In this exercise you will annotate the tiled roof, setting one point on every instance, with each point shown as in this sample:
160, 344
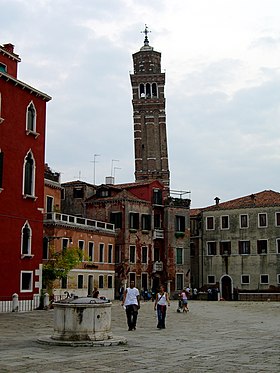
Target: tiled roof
265, 198
194, 212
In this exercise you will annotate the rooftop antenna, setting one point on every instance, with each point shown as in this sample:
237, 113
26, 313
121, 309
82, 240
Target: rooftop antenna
112, 165
94, 162
80, 175
116, 168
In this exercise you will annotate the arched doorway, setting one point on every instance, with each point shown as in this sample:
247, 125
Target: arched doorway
226, 287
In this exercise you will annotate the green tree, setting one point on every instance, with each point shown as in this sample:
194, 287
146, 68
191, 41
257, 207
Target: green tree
59, 264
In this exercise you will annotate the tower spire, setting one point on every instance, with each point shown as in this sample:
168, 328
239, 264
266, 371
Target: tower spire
146, 31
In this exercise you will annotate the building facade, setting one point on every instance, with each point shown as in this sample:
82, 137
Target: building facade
96, 239
22, 149
238, 245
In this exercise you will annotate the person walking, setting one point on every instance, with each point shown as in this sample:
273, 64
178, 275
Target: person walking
162, 300
132, 304
184, 298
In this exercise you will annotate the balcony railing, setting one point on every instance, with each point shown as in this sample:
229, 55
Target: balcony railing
57, 217
158, 234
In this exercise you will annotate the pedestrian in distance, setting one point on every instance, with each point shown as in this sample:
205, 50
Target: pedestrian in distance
132, 305
184, 298
95, 293
161, 302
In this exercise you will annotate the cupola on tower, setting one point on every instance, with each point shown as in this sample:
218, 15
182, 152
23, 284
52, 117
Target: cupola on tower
148, 101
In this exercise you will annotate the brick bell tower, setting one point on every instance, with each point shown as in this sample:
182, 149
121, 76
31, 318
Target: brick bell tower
150, 139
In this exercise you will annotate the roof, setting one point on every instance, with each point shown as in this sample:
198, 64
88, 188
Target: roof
122, 195
265, 198
23, 85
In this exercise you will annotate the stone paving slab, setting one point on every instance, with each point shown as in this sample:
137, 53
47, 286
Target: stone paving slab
213, 337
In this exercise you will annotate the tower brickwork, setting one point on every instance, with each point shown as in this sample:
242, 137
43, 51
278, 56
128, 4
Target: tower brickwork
148, 101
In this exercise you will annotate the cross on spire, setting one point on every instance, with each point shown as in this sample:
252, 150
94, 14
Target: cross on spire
146, 31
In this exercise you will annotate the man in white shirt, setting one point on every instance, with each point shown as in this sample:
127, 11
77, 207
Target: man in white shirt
132, 304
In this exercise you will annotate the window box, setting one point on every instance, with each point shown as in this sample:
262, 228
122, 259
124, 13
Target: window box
179, 234
27, 256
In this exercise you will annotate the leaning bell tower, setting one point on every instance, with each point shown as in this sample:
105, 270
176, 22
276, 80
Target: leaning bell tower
148, 101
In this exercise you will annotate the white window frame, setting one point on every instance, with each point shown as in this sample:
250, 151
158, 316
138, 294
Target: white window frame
182, 275
100, 287
180, 248
221, 224
32, 195
241, 279
112, 277
110, 246
247, 226
262, 226
264, 274
83, 282
206, 223
92, 258
142, 254
101, 244
211, 283
29, 253
278, 278
28, 130
31, 282
277, 246
82, 249
207, 248
277, 212
130, 247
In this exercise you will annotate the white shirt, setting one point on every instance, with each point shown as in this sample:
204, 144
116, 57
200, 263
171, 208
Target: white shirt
131, 296
162, 301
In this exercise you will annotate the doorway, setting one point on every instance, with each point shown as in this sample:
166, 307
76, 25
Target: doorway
226, 288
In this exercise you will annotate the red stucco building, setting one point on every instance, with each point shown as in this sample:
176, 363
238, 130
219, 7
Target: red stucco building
22, 149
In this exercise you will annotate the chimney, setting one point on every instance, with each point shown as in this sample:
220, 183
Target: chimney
109, 180
217, 200
9, 47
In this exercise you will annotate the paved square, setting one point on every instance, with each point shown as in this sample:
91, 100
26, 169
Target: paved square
212, 337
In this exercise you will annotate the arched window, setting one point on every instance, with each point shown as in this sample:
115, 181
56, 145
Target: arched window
148, 90
26, 234
29, 175
142, 91
154, 90
31, 118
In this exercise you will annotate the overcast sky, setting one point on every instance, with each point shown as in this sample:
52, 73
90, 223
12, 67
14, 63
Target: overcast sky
222, 64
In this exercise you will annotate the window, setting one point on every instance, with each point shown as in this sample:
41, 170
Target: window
209, 222
117, 254
81, 245
64, 243
144, 257
179, 223
29, 175
110, 282
277, 245
31, 118
244, 221
116, 219
192, 248
3, 68
91, 251
179, 281
101, 282
244, 247
156, 254
277, 218
80, 281
26, 281
78, 192
132, 277
211, 279
179, 255
225, 248
62, 194
101, 252
110, 253
1, 168
49, 206
132, 250
157, 221
211, 248
262, 219
157, 197
264, 279
45, 248
262, 246
225, 222
133, 220
278, 279
64, 283
26, 240
245, 279
144, 280
146, 222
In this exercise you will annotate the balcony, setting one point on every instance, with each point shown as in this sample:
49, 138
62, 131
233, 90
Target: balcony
77, 221
158, 234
